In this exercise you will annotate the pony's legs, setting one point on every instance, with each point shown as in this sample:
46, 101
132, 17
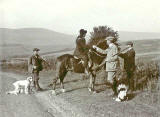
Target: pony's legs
92, 82
54, 86
54, 83
62, 87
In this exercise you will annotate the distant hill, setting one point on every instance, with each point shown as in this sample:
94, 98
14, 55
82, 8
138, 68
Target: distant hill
34, 36
145, 46
20, 42
43, 37
125, 36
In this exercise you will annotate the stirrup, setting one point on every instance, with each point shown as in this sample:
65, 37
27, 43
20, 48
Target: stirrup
76, 57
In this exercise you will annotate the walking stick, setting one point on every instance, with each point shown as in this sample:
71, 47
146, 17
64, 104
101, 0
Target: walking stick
120, 51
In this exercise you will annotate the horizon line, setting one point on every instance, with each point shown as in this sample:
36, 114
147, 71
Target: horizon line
68, 33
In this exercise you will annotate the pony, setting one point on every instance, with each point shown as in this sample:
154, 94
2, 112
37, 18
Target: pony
68, 62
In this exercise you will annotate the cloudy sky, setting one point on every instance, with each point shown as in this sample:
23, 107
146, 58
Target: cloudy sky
68, 16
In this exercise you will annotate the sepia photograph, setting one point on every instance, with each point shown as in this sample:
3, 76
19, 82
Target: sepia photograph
79, 58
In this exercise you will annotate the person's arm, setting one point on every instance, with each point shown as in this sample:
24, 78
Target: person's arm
122, 55
30, 61
100, 50
43, 60
81, 43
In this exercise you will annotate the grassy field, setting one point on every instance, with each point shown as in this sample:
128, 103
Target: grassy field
18, 50
9, 51
144, 102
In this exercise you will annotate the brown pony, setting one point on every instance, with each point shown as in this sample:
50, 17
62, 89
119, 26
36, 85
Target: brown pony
68, 62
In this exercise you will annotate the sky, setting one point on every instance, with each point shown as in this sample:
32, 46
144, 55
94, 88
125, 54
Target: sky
68, 16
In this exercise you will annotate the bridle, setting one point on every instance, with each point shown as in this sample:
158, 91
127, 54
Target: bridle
96, 53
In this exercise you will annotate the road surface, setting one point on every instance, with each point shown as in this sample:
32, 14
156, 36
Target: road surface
21, 105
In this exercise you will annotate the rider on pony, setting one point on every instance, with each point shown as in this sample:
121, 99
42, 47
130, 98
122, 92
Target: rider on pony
82, 49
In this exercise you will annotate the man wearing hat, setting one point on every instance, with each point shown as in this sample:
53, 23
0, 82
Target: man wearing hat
35, 66
129, 63
81, 48
111, 61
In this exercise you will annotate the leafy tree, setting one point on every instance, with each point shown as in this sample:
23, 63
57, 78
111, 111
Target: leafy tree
100, 33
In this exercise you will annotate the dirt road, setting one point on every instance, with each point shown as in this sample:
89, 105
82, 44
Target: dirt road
21, 105
76, 102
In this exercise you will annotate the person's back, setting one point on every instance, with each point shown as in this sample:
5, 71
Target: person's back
129, 59
81, 47
129, 64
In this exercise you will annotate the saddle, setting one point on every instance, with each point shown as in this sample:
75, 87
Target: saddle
79, 59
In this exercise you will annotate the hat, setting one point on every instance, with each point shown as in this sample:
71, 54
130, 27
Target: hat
36, 49
129, 43
110, 38
82, 31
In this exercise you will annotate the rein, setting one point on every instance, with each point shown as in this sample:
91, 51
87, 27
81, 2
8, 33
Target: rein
97, 54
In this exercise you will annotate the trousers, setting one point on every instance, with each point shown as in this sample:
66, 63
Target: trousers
130, 78
36, 79
112, 80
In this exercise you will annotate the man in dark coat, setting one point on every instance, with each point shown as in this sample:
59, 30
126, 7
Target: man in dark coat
81, 48
129, 64
35, 66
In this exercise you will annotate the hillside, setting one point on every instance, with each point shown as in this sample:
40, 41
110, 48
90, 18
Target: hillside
20, 42
43, 37
125, 36
34, 36
40, 36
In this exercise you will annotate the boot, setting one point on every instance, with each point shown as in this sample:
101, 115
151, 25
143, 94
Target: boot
114, 88
38, 87
34, 84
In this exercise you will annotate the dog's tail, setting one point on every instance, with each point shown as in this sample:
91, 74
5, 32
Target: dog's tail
11, 92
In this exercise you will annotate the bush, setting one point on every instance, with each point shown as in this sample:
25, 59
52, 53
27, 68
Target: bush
100, 33
23, 65
146, 75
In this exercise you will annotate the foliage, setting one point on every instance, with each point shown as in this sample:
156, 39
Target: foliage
100, 33
23, 65
146, 75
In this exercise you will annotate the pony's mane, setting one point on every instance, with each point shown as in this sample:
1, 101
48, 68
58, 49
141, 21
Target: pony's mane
62, 57
102, 44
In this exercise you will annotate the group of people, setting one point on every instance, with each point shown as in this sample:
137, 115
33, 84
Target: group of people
81, 51
111, 60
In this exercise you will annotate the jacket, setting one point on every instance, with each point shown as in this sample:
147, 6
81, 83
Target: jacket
81, 47
35, 61
112, 61
129, 59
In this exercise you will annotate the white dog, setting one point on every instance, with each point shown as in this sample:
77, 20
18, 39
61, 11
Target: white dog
122, 93
22, 86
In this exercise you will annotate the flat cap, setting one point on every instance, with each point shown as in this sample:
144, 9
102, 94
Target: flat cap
129, 43
36, 49
110, 38
82, 31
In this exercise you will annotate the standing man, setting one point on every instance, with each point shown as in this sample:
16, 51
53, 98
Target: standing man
111, 62
81, 48
129, 64
35, 66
